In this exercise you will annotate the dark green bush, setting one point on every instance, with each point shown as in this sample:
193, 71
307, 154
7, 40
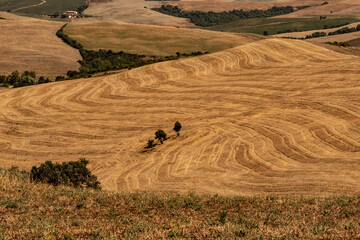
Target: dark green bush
161, 135
73, 174
206, 19
177, 127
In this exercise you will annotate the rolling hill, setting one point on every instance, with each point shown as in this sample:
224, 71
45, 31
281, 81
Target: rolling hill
153, 40
31, 44
135, 11
274, 116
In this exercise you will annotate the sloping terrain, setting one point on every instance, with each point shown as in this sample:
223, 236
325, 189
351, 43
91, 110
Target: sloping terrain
228, 5
135, 11
153, 40
40, 7
305, 33
274, 116
31, 44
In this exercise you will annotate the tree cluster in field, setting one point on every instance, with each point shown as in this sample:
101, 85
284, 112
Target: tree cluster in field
339, 44
207, 19
27, 78
74, 174
323, 34
107, 60
337, 32
297, 30
162, 136
335, 26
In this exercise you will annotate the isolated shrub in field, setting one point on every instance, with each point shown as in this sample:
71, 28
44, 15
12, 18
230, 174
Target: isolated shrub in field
161, 135
150, 143
70, 173
59, 78
177, 127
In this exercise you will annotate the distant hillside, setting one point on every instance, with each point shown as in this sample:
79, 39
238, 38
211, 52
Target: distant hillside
153, 40
31, 44
40, 7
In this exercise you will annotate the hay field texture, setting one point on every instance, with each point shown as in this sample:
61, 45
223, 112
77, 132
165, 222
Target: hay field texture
31, 44
274, 116
135, 11
153, 40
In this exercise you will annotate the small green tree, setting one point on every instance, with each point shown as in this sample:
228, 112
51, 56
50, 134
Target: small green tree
266, 33
161, 135
150, 143
177, 128
75, 174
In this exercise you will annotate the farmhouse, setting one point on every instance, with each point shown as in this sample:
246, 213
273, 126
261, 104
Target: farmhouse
70, 14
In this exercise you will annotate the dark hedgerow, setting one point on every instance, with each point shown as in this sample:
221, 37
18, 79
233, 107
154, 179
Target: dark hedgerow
73, 174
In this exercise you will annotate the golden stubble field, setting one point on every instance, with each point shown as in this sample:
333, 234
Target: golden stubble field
153, 40
274, 116
135, 11
31, 44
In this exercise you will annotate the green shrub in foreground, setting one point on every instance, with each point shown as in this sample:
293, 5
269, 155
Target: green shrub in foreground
70, 173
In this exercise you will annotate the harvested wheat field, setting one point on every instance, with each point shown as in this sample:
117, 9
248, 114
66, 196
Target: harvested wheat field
275, 116
31, 44
135, 11
153, 40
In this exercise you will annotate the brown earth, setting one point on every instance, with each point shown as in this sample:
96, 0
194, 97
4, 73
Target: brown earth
274, 116
31, 44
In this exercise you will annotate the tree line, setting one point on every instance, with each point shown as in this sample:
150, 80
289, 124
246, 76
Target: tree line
27, 78
323, 34
108, 60
207, 19
324, 27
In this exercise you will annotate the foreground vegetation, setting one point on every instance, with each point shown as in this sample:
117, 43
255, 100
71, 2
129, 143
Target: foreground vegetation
39, 211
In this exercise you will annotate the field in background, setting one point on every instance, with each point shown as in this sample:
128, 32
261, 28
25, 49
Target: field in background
274, 116
153, 40
50, 7
228, 5
274, 25
36, 211
135, 11
30, 44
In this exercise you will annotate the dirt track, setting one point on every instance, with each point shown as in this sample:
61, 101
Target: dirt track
274, 116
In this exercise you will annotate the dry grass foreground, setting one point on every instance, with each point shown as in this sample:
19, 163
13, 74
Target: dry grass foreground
36, 211
274, 116
134, 11
31, 44
153, 40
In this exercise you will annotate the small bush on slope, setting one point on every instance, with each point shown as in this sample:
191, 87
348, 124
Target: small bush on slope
70, 173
